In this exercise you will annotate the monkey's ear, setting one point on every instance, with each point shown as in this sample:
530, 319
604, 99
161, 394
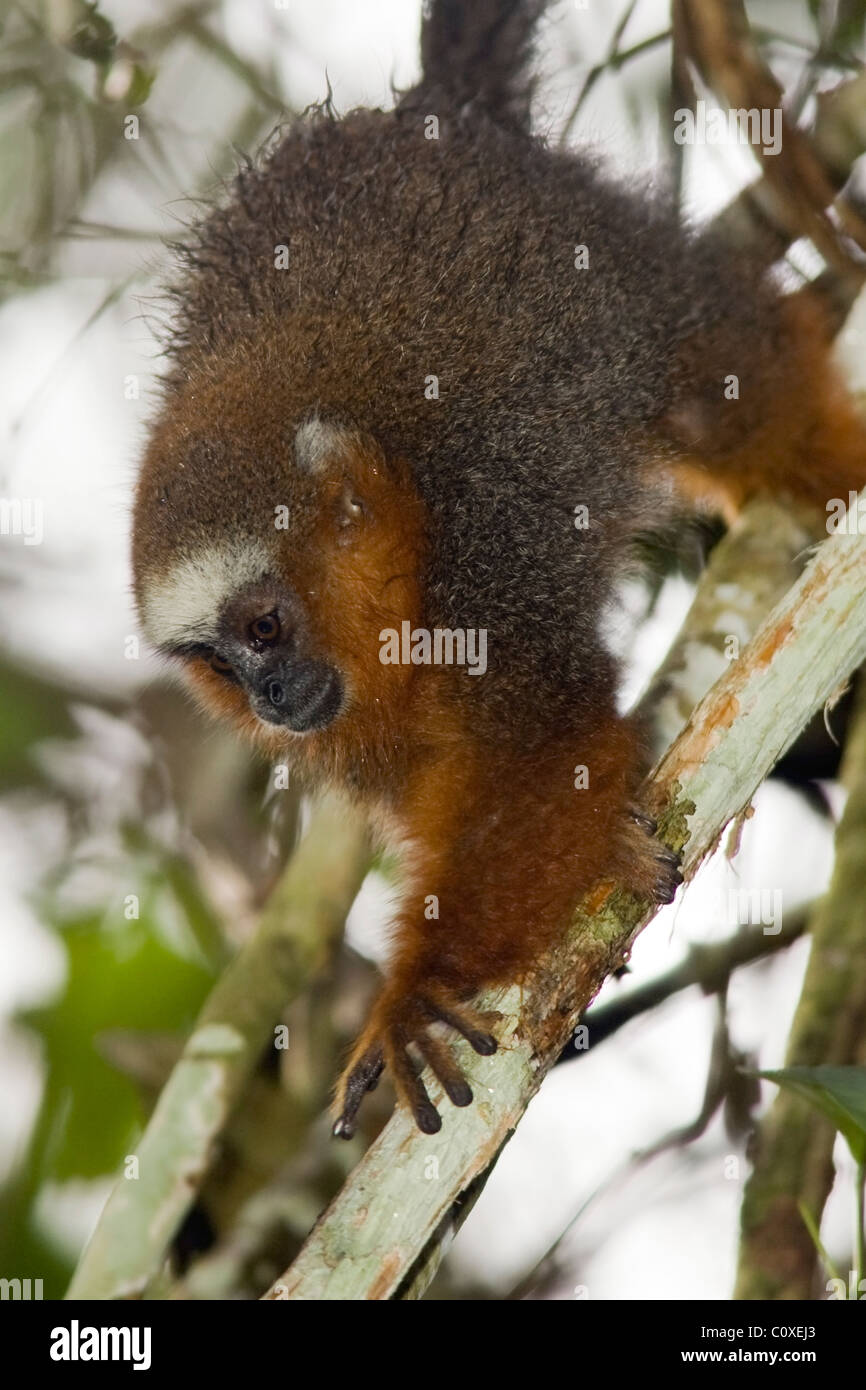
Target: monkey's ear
320, 441
352, 506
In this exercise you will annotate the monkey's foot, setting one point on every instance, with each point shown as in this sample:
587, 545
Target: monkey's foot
656, 871
668, 875
396, 1023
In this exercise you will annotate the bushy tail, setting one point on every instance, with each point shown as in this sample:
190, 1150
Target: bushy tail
479, 52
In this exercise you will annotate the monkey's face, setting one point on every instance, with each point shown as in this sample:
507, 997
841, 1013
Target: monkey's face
259, 643
268, 559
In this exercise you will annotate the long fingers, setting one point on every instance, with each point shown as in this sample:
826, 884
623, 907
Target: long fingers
361, 1077
412, 1090
470, 1025
438, 1057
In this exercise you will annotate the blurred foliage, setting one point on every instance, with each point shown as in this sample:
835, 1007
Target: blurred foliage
69, 84
121, 975
144, 948
31, 712
64, 76
841, 26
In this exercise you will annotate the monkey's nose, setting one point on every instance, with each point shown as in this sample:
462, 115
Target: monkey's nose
301, 695
275, 692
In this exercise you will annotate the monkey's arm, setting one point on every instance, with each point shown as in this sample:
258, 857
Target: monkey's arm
501, 850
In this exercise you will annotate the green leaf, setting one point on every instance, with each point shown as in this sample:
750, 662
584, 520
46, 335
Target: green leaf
840, 1092
815, 1235
123, 976
139, 88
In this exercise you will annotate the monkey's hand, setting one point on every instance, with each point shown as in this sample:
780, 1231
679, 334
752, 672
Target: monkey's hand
400, 1020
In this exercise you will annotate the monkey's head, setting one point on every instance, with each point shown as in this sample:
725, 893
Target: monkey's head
271, 546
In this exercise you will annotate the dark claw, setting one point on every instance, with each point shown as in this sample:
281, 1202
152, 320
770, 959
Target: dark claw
669, 877
427, 1117
445, 1069
459, 1092
645, 821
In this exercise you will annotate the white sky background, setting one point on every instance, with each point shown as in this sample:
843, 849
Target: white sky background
69, 436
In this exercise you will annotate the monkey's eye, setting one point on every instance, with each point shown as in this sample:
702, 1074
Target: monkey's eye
219, 663
265, 629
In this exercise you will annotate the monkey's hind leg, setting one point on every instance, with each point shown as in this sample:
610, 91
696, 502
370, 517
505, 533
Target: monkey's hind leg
794, 428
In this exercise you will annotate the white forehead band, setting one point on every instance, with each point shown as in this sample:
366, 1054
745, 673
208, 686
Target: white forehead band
184, 605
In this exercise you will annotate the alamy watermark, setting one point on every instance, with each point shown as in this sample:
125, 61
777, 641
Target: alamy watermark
77, 1343
22, 516
23, 1290
757, 907
846, 518
439, 646
716, 125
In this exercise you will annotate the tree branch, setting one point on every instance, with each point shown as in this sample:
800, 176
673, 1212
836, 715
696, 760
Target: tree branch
794, 1155
714, 35
707, 965
750, 569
